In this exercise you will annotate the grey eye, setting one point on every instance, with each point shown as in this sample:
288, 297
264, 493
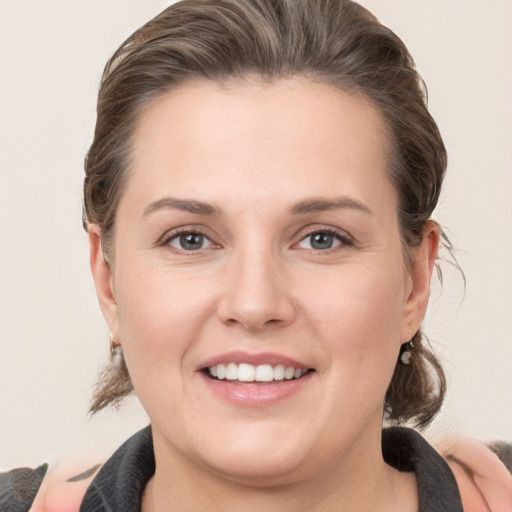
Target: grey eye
189, 241
320, 241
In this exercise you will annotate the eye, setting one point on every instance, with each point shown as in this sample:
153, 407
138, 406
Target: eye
323, 240
189, 241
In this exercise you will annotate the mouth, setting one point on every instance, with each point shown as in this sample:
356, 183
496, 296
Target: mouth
255, 379
245, 373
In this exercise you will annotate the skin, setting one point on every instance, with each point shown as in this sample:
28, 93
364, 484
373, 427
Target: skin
255, 151
484, 482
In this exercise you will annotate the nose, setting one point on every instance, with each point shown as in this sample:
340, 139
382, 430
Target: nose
256, 294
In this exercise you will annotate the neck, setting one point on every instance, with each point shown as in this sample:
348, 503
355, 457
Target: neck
355, 481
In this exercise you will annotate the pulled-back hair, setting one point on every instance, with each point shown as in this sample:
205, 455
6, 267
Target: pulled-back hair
336, 42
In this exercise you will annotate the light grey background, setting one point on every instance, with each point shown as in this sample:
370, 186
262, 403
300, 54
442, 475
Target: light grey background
52, 336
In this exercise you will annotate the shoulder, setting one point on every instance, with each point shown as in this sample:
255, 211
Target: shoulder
73, 485
44, 490
63, 491
19, 487
484, 481
476, 471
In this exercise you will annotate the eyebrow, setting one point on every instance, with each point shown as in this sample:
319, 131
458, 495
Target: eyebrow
317, 205
187, 205
313, 205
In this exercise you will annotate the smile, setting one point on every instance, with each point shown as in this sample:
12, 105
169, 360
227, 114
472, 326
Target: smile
255, 379
245, 372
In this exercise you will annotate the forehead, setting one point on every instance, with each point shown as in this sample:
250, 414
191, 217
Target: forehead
289, 136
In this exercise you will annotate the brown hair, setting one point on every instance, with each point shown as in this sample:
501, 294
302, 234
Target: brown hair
337, 42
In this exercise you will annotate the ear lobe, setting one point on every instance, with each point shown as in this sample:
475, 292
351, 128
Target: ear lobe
103, 278
422, 262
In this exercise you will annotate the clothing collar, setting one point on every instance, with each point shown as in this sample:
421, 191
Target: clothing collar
120, 483
406, 450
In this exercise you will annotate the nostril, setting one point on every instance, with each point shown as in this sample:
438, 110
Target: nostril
254, 324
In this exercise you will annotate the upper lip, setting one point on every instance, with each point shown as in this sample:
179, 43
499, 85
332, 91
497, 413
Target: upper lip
255, 359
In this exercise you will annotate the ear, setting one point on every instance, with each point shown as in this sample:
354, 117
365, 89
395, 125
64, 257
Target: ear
422, 261
103, 279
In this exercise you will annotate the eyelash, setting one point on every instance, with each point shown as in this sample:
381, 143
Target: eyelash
176, 233
342, 237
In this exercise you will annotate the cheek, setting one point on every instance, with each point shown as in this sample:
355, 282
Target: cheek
369, 295
357, 315
160, 315
160, 319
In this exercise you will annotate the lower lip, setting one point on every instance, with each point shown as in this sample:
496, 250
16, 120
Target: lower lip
256, 395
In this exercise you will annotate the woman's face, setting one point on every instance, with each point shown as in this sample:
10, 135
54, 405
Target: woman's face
257, 239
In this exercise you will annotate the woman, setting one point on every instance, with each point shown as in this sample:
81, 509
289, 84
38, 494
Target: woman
258, 198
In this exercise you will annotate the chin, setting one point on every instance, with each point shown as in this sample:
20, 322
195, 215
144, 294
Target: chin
256, 456
257, 468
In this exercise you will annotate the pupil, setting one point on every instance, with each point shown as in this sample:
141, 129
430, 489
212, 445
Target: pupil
191, 241
322, 241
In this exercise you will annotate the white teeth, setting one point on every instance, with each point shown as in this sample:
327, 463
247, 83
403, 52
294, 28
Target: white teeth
246, 372
249, 373
289, 373
264, 373
231, 371
221, 372
279, 372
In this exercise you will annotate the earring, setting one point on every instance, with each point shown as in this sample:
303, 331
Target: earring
112, 345
115, 352
406, 355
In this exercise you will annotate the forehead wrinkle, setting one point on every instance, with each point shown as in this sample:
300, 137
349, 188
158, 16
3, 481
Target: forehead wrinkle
187, 205
318, 204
